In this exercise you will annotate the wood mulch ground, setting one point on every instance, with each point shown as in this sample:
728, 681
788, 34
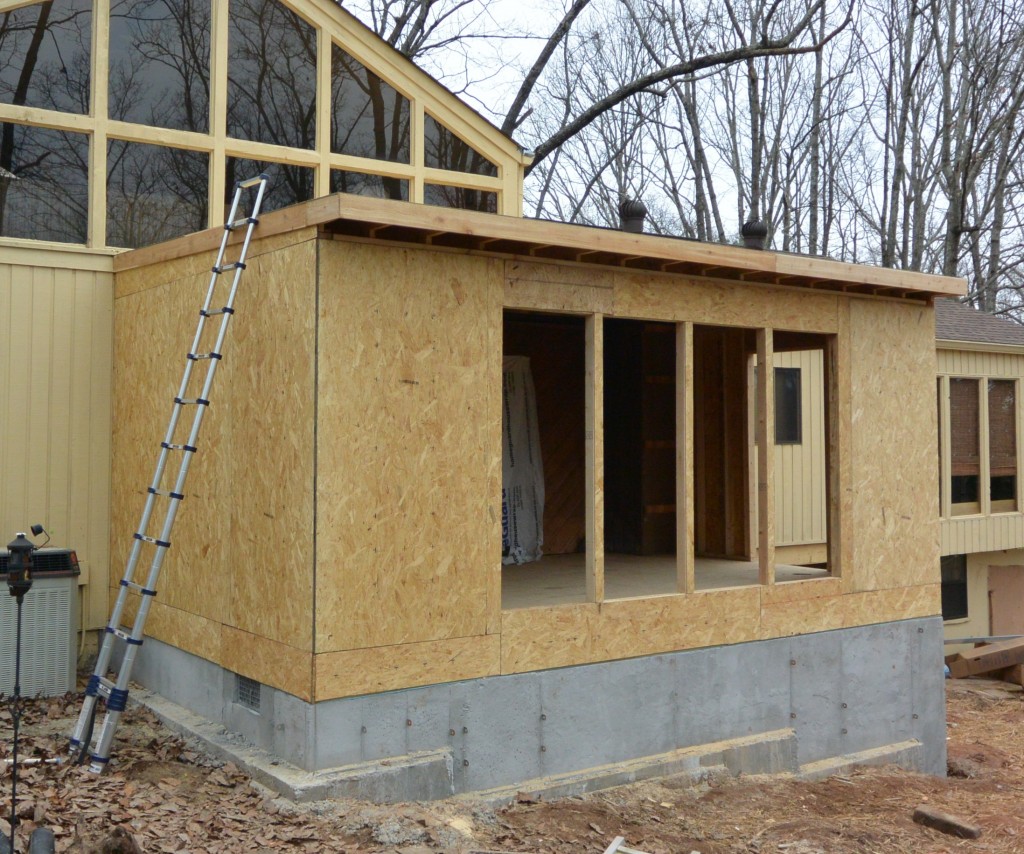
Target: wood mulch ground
170, 797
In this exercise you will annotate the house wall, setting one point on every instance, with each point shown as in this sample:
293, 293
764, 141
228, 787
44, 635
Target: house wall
409, 436
56, 313
237, 584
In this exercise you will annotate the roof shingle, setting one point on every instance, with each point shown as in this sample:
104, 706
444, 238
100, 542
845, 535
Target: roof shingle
955, 321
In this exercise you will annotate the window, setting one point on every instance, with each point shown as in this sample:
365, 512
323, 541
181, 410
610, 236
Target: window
788, 410
1002, 444
954, 587
965, 452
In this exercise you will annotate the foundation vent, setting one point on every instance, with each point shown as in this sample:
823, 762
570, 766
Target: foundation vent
247, 692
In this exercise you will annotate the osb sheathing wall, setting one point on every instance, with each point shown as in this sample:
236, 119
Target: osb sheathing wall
403, 420
237, 584
56, 315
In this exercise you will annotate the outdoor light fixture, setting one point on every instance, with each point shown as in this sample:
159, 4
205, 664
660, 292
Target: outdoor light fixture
19, 582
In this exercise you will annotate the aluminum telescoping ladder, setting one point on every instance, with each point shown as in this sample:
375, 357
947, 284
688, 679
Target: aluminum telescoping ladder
115, 691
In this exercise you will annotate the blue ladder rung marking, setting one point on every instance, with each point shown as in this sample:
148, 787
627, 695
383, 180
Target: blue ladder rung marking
118, 700
166, 493
195, 357
170, 447
152, 540
101, 759
192, 401
138, 588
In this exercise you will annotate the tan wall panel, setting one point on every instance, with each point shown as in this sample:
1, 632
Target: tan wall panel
242, 544
722, 303
135, 279
980, 364
409, 451
549, 287
824, 613
811, 588
895, 510
276, 664
389, 668
55, 409
540, 638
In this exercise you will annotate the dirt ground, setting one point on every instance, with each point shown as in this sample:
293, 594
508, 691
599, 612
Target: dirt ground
172, 798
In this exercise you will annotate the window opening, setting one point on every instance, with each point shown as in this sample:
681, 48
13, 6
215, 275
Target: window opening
247, 692
954, 587
56, 67
154, 193
287, 185
369, 118
48, 197
444, 150
548, 351
271, 75
374, 186
160, 63
788, 407
1002, 431
444, 196
965, 455
639, 458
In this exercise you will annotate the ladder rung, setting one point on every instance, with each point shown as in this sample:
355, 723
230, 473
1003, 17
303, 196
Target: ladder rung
138, 588
99, 686
190, 448
124, 635
213, 312
252, 182
245, 220
192, 401
231, 265
166, 493
195, 357
152, 540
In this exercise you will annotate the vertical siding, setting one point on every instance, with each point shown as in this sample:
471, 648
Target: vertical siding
55, 392
800, 469
1002, 531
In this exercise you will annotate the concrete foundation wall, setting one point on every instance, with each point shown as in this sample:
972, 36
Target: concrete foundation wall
838, 694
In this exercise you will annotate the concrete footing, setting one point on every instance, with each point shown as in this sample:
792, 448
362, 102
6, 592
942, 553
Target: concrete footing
808, 705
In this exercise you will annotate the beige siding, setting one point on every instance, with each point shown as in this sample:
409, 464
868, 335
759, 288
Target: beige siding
55, 389
999, 531
800, 469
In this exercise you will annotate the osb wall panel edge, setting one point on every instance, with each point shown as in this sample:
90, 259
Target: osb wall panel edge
784, 619
894, 521
136, 279
390, 668
721, 302
408, 445
275, 664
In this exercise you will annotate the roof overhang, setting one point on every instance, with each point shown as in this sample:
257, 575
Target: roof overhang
353, 216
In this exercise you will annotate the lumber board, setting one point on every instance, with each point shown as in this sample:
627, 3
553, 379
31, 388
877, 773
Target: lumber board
987, 658
945, 823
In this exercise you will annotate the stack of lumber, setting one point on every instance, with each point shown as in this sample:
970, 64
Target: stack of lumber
1003, 660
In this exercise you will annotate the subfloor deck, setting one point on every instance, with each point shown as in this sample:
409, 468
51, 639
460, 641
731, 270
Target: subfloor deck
561, 579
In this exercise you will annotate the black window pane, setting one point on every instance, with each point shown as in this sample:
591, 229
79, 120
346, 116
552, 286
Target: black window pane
153, 193
160, 63
964, 489
954, 587
271, 75
44, 55
444, 150
44, 192
459, 197
376, 186
287, 184
369, 118
787, 407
